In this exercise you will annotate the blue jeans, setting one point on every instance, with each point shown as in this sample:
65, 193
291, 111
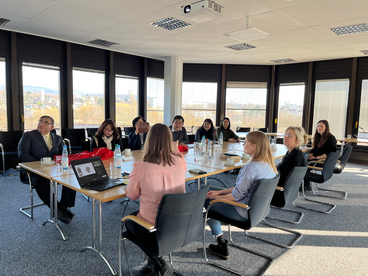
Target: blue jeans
225, 210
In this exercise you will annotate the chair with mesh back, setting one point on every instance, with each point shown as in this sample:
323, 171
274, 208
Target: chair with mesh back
339, 167
25, 178
320, 175
263, 129
258, 208
91, 131
179, 222
9, 148
75, 139
242, 129
128, 130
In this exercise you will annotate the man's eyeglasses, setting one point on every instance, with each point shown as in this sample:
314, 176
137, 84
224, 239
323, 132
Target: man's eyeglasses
44, 122
288, 136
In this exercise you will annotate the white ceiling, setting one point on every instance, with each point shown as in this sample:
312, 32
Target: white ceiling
299, 29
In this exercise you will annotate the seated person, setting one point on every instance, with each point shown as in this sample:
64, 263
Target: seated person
207, 130
261, 166
179, 132
294, 157
227, 133
165, 167
136, 139
107, 136
323, 144
39, 143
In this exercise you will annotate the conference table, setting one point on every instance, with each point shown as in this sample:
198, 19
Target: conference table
194, 159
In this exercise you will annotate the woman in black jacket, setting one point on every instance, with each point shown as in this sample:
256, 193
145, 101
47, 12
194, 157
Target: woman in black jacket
227, 133
207, 130
107, 136
323, 141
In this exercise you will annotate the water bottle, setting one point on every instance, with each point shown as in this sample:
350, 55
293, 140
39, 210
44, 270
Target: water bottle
221, 139
65, 159
203, 144
117, 157
209, 149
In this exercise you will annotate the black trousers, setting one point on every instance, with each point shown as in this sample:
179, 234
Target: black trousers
42, 186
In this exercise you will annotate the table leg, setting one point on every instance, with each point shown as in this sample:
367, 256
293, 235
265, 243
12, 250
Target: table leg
199, 184
94, 248
54, 209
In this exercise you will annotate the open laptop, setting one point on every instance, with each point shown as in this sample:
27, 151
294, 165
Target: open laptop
92, 175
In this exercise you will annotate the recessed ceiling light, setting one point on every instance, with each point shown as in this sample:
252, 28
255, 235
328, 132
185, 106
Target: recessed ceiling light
3, 21
170, 24
239, 47
353, 29
101, 42
364, 52
283, 60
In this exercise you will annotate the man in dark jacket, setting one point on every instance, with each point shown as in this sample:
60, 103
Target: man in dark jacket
39, 143
179, 132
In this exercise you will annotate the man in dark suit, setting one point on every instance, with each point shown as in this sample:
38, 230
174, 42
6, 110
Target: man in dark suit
39, 143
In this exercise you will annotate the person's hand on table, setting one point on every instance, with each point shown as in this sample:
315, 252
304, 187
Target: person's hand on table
183, 144
311, 157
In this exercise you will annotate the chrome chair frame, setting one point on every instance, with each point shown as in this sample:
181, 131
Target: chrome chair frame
31, 194
3, 156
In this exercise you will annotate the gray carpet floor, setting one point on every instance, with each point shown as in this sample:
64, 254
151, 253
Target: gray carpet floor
333, 244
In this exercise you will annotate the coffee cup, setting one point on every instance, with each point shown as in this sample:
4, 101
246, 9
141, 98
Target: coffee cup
230, 161
245, 156
46, 160
127, 151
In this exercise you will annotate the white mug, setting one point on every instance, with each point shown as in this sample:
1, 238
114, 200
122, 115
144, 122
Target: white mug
127, 151
46, 160
244, 155
230, 161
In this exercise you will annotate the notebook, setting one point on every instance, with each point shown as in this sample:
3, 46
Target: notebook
91, 174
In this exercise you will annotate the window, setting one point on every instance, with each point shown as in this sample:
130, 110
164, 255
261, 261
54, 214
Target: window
3, 115
291, 100
155, 101
363, 115
126, 99
330, 103
246, 104
199, 102
41, 94
88, 97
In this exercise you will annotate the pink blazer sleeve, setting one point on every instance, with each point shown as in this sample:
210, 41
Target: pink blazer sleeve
133, 190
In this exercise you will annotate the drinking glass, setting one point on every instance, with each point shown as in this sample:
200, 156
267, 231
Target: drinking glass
58, 160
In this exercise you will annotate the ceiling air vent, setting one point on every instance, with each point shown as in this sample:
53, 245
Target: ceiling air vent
353, 29
3, 21
364, 52
284, 60
101, 42
240, 47
170, 24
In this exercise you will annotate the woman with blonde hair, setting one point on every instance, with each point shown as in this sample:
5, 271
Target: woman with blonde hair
261, 166
294, 137
161, 171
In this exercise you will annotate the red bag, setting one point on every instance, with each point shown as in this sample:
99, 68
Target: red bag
182, 148
104, 153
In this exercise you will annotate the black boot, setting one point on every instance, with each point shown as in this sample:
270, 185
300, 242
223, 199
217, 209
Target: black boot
164, 268
149, 269
220, 249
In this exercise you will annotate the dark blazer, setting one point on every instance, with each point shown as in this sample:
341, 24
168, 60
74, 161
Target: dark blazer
208, 134
101, 143
32, 146
180, 135
135, 140
289, 161
328, 147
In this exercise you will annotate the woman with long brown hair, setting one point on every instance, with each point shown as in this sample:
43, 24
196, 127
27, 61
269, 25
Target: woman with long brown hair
261, 166
161, 171
323, 141
107, 136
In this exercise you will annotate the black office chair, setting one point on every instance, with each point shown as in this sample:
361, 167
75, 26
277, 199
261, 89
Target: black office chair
120, 131
9, 141
339, 167
91, 131
282, 197
179, 222
242, 129
287, 194
258, 208
128, 130
75, 139
326, 172
25, 178
263, 129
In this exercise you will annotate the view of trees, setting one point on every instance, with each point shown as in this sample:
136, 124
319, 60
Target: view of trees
3, 117
363, 123
126, 110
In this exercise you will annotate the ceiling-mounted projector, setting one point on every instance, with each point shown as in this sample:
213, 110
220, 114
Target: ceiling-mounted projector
202, 11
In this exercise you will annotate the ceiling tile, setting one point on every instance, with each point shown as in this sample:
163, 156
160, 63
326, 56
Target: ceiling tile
25, 8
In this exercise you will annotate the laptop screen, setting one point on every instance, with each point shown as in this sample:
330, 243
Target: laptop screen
89, 169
